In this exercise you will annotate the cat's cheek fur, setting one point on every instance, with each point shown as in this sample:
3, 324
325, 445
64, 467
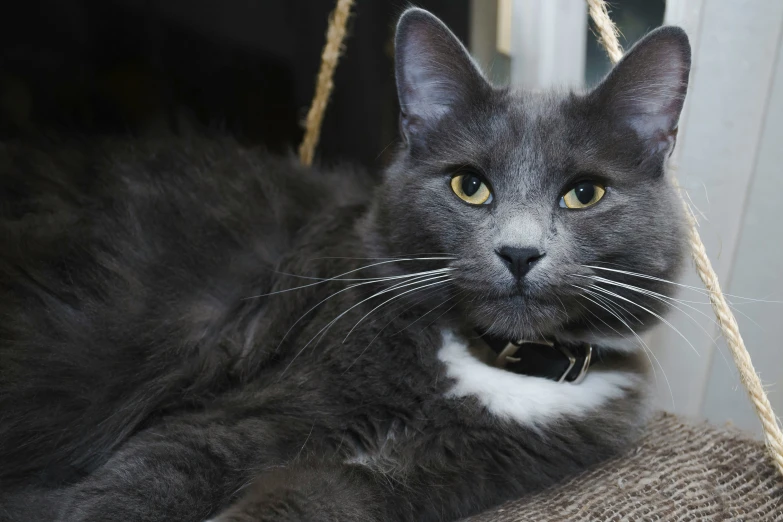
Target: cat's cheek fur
532, 402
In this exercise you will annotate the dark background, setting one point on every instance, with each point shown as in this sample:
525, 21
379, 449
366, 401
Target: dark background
246, 67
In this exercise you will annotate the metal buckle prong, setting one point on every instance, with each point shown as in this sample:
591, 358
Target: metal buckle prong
510, 349
583, 371
571, 361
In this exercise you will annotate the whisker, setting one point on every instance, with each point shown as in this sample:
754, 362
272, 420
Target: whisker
645, 348
686, 303
429, 312
663, 320
340, 275
492, 325
746, 316
613, 304
414, 277
590, 324
427, 294
333, 321
423, 298
734, 306
695, 288
562, 305
641, 341
670, 302
390, 300
385, 278
449, 309
666, 300
417, 279
660, 297
598, 304
401, 256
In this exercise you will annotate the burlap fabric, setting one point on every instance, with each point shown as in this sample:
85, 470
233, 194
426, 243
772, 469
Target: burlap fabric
679, 472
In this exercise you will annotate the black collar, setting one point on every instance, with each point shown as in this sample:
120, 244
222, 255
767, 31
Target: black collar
553, 361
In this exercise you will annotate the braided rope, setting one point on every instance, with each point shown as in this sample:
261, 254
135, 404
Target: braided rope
335, 35
608, 33
773, 436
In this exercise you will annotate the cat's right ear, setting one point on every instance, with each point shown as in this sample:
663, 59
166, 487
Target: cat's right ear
434, 72
645, 92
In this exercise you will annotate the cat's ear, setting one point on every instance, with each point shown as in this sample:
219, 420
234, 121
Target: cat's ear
434, 71
645, 91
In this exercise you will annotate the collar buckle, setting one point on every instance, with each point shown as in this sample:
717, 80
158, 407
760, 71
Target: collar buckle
577, 362
572, 361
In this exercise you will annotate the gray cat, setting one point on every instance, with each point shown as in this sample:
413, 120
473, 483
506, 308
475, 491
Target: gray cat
192, 331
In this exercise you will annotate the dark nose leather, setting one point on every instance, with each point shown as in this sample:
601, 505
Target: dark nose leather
519, 260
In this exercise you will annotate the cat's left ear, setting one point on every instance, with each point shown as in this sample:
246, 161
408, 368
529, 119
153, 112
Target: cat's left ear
434, 71
646, 90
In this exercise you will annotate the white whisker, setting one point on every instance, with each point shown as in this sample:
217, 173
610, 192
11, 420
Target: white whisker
413, 277
345, 273
661, 297
645, 348
449, 309
613, 304
734, 306
562, 305
667, 300
695, 288
390, 300
427, 294
647, 351
429, 312
663, 320
442, 255
333, 321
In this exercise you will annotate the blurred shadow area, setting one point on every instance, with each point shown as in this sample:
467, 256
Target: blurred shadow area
245, 67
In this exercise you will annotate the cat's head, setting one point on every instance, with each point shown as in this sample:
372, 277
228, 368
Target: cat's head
543, 199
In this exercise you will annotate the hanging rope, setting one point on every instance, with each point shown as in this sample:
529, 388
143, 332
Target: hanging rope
608, 33
608, 37
323, 88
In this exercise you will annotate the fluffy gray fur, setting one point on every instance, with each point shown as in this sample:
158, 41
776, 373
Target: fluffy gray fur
138, 382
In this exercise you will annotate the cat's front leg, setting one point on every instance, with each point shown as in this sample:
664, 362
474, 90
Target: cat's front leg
178, 472
444, 477
314, 492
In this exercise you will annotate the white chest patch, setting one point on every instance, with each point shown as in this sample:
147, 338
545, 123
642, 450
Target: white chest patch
527, 400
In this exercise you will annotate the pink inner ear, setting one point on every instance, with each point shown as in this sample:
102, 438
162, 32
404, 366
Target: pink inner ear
658, 131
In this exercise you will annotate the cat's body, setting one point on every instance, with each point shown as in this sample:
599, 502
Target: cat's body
156, 362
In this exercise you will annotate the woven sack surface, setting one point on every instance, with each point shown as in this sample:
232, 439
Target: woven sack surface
679, 471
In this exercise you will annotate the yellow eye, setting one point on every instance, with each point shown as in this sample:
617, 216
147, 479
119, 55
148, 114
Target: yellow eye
470, 188
584, 194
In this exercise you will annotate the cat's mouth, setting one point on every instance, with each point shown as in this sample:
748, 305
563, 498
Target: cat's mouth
547, 359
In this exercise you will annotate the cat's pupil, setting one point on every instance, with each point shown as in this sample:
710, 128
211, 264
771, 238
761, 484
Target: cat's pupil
470, 184
585, 192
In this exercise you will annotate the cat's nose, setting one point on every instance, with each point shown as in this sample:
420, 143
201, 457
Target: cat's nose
519, 260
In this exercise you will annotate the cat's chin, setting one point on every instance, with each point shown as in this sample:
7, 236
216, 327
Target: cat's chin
558, 333
516, 317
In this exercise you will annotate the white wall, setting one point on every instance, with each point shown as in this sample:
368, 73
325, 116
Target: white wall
729, 159
548, 43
